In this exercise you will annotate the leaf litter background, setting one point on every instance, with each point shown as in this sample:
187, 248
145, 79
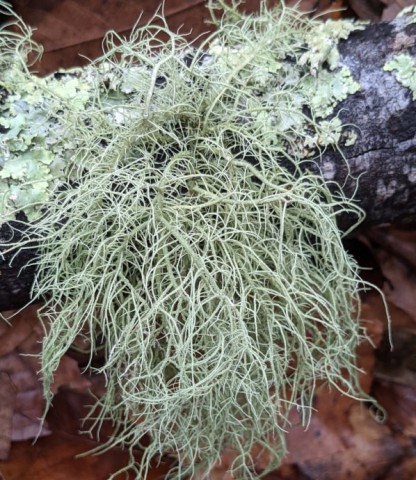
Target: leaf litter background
344, 439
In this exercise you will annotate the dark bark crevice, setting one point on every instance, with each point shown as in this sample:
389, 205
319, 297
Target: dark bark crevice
16, 273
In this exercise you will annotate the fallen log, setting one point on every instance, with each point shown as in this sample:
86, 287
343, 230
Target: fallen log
376, 165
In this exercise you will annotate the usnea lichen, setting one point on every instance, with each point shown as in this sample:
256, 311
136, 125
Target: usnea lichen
185, 233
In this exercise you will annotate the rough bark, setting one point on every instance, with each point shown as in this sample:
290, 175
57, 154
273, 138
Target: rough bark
383, 115
16, 278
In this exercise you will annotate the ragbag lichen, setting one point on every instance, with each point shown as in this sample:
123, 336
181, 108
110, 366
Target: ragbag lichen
189, 236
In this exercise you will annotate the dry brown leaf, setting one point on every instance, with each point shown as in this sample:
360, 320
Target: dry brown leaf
398, 317
20, 346
72, 29
395, 251
68, 375
7, 398
399, 401
394, 7
400, 286
367, 9
22, 327
28, 404
375, 325
405, 470
57, 457
400, 242
398, 364
376, 10
286, 472
343, 441
325, 9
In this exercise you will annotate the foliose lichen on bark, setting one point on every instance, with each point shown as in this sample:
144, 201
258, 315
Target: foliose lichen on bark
37, 152
404, 68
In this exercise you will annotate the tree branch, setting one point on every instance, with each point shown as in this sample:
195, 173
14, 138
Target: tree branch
383, 158
384, 117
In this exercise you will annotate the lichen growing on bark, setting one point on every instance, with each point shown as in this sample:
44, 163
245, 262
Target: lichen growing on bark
38, 152
404, 68
186, 234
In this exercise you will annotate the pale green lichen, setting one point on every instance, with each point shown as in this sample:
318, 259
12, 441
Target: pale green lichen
214, 276
35, 151
350, 138
404, 68
409, 14
322, 43
328, 89
31, 114
34, 148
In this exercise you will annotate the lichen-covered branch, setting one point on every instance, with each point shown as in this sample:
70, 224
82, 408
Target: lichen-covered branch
382, 115
379, 144
188, 206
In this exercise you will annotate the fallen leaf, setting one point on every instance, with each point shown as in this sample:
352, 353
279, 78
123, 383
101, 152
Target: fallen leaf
343, 441
18, 327
367, 9
63, 455
393, 8
399, 242
398, 364
405, 470
23, 409
395, 251
7, 398
27, 406
399, 402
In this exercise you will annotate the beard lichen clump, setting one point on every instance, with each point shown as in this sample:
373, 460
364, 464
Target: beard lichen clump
192, 240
